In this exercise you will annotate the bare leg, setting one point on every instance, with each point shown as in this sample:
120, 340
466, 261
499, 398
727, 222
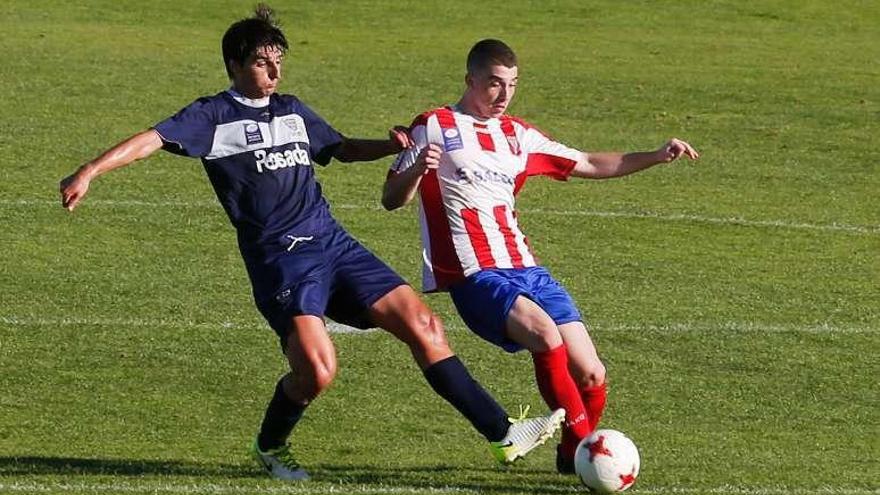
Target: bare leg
583, 360
586, 369
531, 327
402, 313
312, 359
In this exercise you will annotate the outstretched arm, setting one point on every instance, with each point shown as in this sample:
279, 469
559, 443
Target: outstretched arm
400, 188
609, 164
367, 150
75, 186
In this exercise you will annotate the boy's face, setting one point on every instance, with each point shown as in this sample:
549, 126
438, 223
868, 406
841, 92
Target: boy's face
258, 77
492, 90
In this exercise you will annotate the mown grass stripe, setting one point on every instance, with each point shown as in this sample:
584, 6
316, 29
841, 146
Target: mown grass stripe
730, 326
158, 323
220, 489
663, 217
217, 489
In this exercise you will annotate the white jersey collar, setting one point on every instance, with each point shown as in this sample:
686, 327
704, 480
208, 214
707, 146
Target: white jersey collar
244, 100
457, 109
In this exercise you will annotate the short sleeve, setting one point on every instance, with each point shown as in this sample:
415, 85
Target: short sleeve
418, 131
323, 139
189, 132
546, 156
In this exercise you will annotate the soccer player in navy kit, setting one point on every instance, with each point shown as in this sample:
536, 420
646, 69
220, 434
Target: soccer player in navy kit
258, 148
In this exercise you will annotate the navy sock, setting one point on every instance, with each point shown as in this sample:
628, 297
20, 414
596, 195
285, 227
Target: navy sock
281, 416
452, 381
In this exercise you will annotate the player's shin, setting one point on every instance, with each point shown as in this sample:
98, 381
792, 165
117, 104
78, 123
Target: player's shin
281, 416
559, 391
594, 400
452, 381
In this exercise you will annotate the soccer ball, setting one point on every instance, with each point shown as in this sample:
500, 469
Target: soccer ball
607, 461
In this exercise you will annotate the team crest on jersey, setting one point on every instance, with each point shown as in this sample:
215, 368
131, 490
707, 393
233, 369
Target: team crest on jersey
292, 124
452, 139
252, 134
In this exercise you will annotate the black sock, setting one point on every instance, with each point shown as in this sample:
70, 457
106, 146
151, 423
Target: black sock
281, 416
452, 381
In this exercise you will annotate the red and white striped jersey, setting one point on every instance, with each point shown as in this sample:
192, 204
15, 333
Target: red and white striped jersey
467, 215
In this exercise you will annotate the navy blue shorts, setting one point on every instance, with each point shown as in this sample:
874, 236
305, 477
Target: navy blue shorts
484, 300
330, 275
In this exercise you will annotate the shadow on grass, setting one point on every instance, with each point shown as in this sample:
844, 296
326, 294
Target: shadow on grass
35, 465
455, 477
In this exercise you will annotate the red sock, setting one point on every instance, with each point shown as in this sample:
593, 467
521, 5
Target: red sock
594, 402
559, 390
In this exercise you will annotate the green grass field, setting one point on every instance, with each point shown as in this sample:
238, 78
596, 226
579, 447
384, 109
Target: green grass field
735, 301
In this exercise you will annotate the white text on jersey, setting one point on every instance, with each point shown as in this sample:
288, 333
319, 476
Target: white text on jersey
276, 160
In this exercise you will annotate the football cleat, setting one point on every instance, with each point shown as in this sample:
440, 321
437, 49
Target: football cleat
279, 463
524, 434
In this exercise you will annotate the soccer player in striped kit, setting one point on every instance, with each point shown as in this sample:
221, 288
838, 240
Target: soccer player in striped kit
259, 149
468, 163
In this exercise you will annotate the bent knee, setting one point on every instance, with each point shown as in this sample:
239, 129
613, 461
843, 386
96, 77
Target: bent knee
324, 375
547, 337
427, 332
592, 376
314, 377
537, 338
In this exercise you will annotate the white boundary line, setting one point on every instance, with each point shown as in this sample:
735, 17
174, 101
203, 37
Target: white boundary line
332, 326
726, 327
737, 327
859, 229
223, 489
735, 221
744, 490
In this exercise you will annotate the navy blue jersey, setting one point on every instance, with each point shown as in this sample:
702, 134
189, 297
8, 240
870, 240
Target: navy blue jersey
258, 155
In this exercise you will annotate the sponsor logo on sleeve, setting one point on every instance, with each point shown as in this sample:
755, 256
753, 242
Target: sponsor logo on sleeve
452, 139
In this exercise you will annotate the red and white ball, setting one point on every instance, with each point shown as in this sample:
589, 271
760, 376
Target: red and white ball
607, 461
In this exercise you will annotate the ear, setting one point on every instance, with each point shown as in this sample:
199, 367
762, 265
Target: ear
468, 80
234, 67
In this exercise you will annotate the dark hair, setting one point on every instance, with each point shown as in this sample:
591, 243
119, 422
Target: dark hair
246, 36
487, 53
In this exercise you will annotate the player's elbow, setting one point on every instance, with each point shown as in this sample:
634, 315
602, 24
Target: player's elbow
345, 152
391, 199
587, 169
594, 172
389, 203
344, 157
